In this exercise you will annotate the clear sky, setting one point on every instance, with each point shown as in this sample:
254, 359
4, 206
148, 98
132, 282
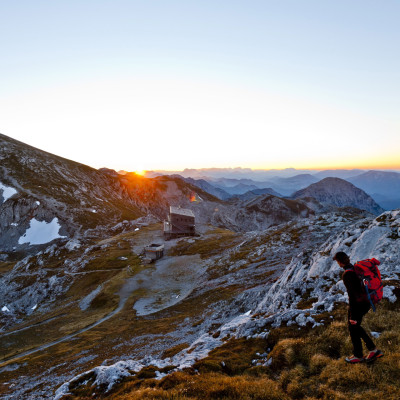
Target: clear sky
172, 84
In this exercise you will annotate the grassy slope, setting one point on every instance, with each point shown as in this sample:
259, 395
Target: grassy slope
306, 364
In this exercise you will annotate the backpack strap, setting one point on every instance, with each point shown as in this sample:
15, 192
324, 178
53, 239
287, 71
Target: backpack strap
369, 296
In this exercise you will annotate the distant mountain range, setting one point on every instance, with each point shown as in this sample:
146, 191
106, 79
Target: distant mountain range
42, 189
382, 186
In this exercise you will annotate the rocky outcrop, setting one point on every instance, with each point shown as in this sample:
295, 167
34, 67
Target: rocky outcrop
315, 276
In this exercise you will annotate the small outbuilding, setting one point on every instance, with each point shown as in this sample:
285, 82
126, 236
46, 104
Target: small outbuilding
181, 222
154, 251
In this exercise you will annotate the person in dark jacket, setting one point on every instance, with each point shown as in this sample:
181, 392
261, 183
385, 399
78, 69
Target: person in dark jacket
358, 307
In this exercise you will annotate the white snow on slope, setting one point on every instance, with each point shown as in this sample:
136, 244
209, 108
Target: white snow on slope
7, 191
40, 232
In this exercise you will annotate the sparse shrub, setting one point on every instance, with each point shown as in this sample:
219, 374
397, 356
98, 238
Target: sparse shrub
175, 350
318, 362
339, 375
331, 341
381, 218
147, 373
289, 353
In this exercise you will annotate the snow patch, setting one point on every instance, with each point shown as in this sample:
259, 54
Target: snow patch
7, 191
40, 232
5, 309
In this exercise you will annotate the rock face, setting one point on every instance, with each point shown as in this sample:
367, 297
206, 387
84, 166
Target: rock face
340, 193
315, 271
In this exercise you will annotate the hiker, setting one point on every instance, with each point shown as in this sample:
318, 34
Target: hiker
359, 305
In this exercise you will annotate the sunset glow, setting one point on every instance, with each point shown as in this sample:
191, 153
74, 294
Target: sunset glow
140, 172
303, 85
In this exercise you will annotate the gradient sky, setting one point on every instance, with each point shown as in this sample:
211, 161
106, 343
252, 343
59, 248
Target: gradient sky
172, 84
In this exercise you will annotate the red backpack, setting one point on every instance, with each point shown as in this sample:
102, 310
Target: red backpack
370, 276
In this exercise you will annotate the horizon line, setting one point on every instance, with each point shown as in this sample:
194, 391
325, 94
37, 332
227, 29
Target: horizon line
367, 169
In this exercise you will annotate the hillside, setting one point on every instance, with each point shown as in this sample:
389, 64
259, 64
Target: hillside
289, 345
340, 193
80, 201
99, 304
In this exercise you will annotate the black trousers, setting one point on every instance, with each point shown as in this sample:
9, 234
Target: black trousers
357, 332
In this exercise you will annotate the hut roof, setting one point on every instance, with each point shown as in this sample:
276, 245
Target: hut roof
181, 211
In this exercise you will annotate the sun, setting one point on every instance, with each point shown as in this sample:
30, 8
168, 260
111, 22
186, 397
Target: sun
141, 172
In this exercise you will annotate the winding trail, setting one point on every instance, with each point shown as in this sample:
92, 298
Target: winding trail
172, 279
13, 358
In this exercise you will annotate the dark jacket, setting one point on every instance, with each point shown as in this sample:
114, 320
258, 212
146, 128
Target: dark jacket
358, 301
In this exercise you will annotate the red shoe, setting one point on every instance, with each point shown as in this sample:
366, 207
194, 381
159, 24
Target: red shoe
373, 355
354, 360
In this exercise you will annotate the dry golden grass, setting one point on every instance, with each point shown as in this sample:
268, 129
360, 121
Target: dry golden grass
306, 364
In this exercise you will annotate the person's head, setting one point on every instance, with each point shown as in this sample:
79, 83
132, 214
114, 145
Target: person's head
342, 258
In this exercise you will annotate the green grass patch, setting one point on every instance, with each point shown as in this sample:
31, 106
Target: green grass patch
206, 247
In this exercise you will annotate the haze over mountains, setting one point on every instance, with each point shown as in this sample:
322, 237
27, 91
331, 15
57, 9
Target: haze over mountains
76, 295
382, 186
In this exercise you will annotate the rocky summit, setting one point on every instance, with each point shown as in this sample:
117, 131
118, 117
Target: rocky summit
340, 193
243, 305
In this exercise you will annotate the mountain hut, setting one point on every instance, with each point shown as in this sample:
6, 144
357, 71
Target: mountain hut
181, 222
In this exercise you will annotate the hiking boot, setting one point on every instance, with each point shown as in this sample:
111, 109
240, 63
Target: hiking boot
373, 355
354, 360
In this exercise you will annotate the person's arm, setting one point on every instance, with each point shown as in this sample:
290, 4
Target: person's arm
352, 283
